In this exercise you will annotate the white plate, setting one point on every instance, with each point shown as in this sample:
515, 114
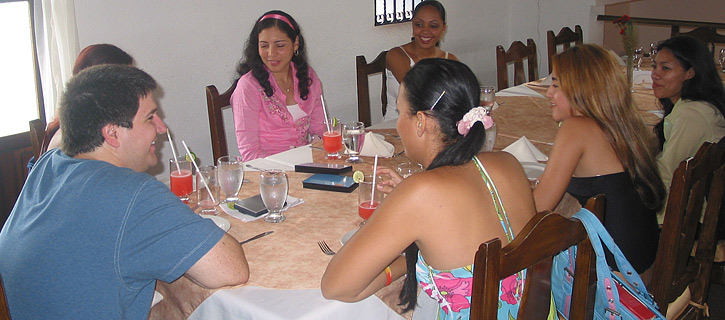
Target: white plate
346, 237
222, 223
533, 169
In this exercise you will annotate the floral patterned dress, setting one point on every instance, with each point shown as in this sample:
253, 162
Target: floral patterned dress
453, 288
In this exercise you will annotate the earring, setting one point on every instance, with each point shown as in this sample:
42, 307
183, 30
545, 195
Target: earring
419, 124
296, 52
412, 38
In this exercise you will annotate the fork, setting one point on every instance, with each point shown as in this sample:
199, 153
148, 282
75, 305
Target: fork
325, 248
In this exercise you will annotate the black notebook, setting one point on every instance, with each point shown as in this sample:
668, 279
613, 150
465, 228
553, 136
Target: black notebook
329, 168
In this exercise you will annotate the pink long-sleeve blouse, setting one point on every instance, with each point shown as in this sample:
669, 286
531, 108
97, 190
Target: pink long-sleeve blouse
264, 126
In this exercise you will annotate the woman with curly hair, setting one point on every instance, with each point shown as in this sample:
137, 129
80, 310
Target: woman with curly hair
277, 101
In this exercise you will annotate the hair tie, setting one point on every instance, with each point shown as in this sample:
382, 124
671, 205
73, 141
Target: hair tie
471, 117
278, 17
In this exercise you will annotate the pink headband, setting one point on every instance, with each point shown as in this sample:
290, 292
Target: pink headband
278, 17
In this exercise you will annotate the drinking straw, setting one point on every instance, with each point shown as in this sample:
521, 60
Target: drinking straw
375, 170
327, 120
197, 170
173, 151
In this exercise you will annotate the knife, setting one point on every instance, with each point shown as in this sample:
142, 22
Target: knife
256, 237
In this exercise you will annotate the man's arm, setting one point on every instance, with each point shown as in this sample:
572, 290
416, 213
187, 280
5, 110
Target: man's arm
224, 265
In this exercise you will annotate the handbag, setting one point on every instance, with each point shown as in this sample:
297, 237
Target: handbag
614, 298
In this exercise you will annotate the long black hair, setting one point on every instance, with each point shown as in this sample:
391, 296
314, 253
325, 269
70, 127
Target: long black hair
253, 62
705, 85
424, 84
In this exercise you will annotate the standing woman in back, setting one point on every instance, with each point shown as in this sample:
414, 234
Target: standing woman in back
277, 102
603, 147
429, 27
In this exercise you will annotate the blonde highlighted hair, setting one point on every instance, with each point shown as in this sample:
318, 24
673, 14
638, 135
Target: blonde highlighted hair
597, 88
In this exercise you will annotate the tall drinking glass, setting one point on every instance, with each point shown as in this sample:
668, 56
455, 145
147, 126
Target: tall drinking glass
181, 182
273, 187
368, 198
488, 97
230, 170
352, 136
207, 193
332, 139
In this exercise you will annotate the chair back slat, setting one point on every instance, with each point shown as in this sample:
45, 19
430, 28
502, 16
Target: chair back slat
363, 70
696, 182
215, 103
516, 54
565, 37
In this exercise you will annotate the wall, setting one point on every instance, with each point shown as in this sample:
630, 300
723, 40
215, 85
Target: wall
187, 45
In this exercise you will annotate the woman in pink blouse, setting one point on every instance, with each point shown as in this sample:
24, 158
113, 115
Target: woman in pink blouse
277, 102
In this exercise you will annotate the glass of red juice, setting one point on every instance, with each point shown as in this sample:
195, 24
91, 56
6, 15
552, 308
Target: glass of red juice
180, 178
368, 198
332, 139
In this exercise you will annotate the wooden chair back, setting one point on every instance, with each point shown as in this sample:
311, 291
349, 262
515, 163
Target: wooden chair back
363, 70
696, 179
533, 249
215, 103
4, 309
516, 54
565, 37
37, 132
706, 35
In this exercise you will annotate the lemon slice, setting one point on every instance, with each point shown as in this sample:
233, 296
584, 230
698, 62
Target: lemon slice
358, 176
230, 205
190, 159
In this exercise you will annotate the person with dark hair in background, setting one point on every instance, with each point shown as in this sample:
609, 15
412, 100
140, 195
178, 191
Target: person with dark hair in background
93, 55
462, 199
429, 27
91, 232
277, 103
686, 81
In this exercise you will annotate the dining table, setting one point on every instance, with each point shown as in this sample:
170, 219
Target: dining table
287, 265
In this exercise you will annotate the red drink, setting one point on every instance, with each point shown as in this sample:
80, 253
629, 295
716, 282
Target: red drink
366, 209
332, 143
181, 183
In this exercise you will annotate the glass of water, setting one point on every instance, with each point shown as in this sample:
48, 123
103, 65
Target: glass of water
230, 170
273, 187
488, 97
352, 136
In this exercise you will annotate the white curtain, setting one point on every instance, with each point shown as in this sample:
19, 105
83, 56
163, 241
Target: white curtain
57, 46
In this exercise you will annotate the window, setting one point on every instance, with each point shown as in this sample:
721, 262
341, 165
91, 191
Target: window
18, 80
394, 11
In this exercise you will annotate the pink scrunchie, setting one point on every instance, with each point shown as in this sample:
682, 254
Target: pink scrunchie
471, 117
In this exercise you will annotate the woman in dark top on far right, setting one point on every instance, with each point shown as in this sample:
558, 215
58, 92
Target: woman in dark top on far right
602, 147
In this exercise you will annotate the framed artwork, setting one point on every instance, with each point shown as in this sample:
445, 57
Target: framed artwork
394, 11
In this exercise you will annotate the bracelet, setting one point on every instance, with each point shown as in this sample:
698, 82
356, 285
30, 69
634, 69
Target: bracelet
388, 276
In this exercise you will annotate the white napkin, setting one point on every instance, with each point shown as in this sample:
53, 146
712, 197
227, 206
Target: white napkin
617, 57
375, 144
518, 91
546, 82
641, 77
291, 202
525, 151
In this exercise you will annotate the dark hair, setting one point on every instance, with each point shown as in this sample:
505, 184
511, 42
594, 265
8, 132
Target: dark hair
97, 96
705, 85
431, 3
253, 62
424, 84
104, 53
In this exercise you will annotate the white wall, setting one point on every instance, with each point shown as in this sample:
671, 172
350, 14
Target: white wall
186, 45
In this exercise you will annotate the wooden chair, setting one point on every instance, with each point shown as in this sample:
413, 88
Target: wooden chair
706, 35
37, 133
516, 53
4, 309
363, 70
215, 103
534, 248
565, 37
675, 269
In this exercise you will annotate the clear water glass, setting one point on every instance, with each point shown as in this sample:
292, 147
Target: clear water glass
407, 169
273, 187
721, 59
488, 97
207, 190
230, 170
352, 136
490, 139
